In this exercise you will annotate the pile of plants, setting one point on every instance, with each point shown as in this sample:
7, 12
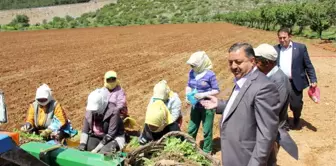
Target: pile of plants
175, 148
27, 137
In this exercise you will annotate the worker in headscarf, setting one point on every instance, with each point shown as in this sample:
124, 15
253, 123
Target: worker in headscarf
158, 121
116, 93
42, 112
103, 129
202, 80
170, 98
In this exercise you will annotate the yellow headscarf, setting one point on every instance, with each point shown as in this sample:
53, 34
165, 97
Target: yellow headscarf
201, 61
158, 115
161, 90
111, 74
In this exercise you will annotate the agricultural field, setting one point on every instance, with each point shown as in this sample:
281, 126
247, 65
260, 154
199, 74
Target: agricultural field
38, 14
73, 63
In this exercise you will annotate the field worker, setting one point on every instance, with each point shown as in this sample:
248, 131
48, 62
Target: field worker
158, 121
266, 57
42, 112
116, 93
103, 129
171, 99
202, 79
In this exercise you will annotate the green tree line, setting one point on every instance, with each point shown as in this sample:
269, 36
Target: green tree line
318, 16
19, 4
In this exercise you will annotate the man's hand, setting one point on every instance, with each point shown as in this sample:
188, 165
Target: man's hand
212, 103
314, 84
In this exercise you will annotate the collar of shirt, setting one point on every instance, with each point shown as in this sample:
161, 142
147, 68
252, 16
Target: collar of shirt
273, 71
239, 83
289, 46
200, 75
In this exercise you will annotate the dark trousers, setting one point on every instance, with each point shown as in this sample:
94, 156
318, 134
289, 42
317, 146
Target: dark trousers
94, 141
272, 160
152, 136
295, 102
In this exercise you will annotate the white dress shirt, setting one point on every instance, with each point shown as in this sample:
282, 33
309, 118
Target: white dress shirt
238, 85
286, 59
273, 71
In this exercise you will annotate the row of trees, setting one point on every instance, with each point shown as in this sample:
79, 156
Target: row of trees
318, 16
19, 4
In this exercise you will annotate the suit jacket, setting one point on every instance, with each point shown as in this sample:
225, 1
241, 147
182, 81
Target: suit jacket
251, 125
283, 85
301, 66
284, 139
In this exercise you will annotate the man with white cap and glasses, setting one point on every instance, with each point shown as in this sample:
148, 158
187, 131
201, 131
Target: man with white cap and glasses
266, 57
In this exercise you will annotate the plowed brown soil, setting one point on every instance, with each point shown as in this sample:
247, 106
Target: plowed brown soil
74, 61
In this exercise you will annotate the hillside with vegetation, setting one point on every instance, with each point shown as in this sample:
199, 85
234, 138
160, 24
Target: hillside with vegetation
20, 4
311, 18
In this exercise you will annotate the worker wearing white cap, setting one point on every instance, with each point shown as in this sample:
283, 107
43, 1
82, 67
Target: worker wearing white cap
266, 57
103, 129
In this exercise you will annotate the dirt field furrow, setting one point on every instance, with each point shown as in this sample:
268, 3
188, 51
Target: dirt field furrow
73, 63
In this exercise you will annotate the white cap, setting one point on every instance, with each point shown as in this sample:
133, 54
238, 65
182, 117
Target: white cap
266, 51
43, 92
97, 101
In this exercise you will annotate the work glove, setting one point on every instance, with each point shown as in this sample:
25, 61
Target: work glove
107, 138
82, 147
26, 127
142, 140
46, 133
98, 147
200, 96
115, 146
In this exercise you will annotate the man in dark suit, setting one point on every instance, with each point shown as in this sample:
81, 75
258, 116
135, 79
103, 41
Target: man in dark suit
249, 124
266, 57
294, 61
